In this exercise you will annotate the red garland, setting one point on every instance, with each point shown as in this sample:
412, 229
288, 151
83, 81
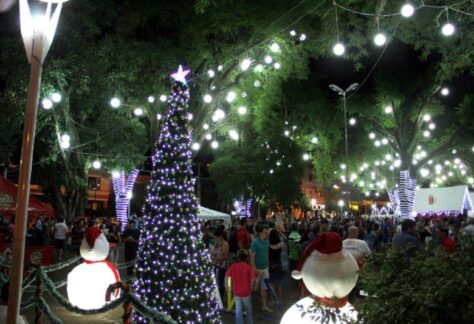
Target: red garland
331, 302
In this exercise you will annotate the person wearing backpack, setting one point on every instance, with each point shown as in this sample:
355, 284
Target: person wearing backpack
294, 240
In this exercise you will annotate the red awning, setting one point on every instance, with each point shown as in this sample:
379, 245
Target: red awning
8, 192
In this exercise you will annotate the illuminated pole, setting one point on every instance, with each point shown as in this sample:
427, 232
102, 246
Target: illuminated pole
37, 33
341, 204
343, 93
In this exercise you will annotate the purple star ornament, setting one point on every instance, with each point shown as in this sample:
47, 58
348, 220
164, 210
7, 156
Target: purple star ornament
180, 75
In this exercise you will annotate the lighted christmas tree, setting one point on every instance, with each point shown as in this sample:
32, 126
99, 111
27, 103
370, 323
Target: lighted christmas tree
173, 270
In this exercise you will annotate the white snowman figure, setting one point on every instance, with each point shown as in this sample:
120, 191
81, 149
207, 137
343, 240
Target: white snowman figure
87, 283
329, 273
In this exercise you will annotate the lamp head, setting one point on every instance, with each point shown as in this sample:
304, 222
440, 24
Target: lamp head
352, 87
335, 88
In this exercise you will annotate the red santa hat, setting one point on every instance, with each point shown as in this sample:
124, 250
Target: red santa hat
326, 243
92, 233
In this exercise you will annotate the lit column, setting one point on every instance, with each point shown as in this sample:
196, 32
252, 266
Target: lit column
37, 33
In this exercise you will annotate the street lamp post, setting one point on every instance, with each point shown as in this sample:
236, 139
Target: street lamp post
343, 93
37, 33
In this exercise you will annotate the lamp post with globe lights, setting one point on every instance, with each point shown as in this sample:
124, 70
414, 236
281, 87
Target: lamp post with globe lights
343, 93
37, 33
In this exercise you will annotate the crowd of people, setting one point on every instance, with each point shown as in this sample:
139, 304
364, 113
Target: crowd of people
260, 255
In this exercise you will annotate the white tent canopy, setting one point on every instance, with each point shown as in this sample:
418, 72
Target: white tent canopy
209, 214
442, 200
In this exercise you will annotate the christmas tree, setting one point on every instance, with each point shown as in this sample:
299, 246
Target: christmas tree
173, 270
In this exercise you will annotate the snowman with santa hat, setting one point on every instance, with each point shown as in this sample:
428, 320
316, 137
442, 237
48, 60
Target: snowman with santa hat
87, 283
329, 273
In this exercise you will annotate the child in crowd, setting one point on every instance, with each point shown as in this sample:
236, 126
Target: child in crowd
241, 279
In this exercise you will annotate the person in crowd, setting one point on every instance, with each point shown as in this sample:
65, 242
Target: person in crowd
294, 240
259, 260
324, 225
60, 236
220, 259
131, 237
443, 237
274, 258
242, 236
406, 239
359, 249
39, 226
385, 227
113, 237
77, 234
241, 283
370, 236
469, 229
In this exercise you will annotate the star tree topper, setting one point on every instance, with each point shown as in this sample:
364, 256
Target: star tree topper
180, 75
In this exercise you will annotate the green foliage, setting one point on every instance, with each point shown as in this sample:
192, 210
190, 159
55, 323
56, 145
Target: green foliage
430, 287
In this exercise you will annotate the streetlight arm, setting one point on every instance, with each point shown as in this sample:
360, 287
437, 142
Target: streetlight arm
352, 87
335, 88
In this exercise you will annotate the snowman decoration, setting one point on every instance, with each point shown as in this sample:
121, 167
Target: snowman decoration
329, 273
87, 283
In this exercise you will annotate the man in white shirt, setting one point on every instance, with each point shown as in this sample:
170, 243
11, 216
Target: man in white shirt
60, 235
358, 248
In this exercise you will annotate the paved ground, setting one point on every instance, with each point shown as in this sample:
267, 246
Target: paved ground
290, 296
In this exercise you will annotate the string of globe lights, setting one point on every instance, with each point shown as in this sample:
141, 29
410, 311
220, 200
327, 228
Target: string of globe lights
259, 65
373, 176
406, 11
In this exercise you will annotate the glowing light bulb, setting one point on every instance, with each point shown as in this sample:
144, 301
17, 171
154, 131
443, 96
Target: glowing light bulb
115, 102
259, 68
372, 135
448, 29
207, 98
138, 111
196, 146
233, 134
426, 133
230, 96
445, 91
377, 143
380, 39
292, 33
151, 99
214, 144
211, 73
388, 109
115, 174
426, 118
407, 10
158, 116
257, 83
286, 133
56, 97
190, 116
47, 103
384, 141
275, 47
306, 156
268, 59
302, 37
205, 126
245, 64
242, 110
163, 98
432, 126
277, 66
352, 121
339, 49
208, 137
314, 140
96, 164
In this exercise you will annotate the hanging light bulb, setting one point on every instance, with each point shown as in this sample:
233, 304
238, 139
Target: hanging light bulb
292, 33
242, 110
56, 97
207, 98
245, 64
268, 59
445, 91
426, 118
230, 96
233, 134
314, 140
372, 135
277, 66
352, 121
205, 126
115, 174
426, 133
275, 47
432, 126
47, 103
163, 98
388, 109
302, 37
138, 111
151, 99
65, 141
338, 49
380, 39
196, 146
115, 102
306, 156
259, 68
158, 116
256, 83
208, 137
214, 144
211, 73
96, 164
407, 10
448, 29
